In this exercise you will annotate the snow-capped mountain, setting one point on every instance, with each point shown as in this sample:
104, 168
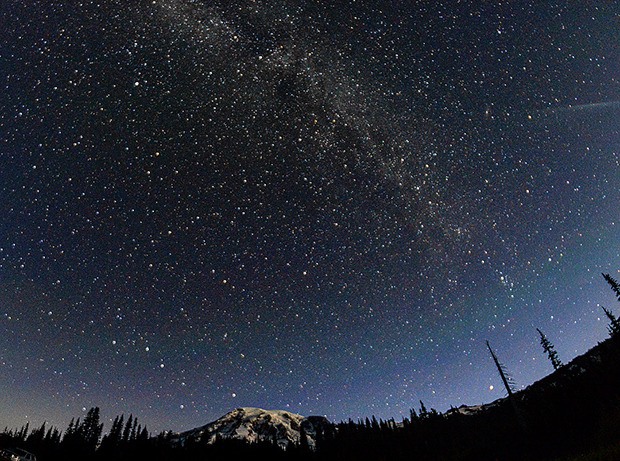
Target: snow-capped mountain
256, 424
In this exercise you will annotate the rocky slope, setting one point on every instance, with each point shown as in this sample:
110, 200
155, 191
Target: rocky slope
256, 424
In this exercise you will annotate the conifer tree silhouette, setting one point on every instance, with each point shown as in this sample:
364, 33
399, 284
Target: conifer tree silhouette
549, 350
510, 388
506, 378
613, 283
91, 428
614, 323
127, 430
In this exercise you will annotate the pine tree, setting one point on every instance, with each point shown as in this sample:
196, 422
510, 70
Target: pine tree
134, 429
37, 435
56, 436
549, 350
83, 436
91, 428
69, 430
23, 432
509, 384
613, 283
506, 378
116, 433
127, 431
144, 434
614, 323
73, 435
49, 434
112, 439
423, 410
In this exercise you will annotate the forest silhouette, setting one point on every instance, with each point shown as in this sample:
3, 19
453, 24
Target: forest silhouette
571, 414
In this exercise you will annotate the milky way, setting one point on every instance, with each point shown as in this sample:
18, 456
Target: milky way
326, 208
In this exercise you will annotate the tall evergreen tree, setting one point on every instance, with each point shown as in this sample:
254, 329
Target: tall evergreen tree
143, 435
549, 350
127, 431
509, 384
72, 440
134, 429
21, 435
423, 410
613, 283
70, 431
614, 323
116, 433
37, 435
49, 434
506, 378
91, 428
55, 437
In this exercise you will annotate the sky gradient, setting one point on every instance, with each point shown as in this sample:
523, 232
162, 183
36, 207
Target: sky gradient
321, 208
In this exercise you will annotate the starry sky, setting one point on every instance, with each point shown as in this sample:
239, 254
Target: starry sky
321, 207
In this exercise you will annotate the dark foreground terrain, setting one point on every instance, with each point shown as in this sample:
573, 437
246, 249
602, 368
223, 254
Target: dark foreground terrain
572, 414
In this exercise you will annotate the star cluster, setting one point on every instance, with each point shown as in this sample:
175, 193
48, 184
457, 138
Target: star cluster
318, 207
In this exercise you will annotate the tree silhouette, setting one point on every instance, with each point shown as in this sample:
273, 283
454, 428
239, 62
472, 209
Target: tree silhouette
509, 384
613, 283
423, 410
91, 428
70, 431
506, 378
127, 430
23, 432
549, 350
113, 438
614, 323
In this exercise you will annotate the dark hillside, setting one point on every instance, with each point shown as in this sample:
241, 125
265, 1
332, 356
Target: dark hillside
574, 410
571, 415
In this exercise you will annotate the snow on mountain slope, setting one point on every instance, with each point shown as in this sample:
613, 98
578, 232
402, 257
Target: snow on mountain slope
256, 424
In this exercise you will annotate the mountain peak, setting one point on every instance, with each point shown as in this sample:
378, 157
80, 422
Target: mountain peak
256, 424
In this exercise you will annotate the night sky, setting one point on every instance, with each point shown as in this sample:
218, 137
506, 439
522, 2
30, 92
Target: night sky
321, 207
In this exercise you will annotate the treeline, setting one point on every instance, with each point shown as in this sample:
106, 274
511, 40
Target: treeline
128, 440
82, 439
575, 410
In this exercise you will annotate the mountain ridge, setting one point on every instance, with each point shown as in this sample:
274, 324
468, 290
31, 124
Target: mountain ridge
254, 424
